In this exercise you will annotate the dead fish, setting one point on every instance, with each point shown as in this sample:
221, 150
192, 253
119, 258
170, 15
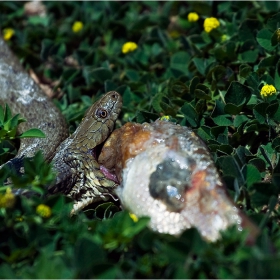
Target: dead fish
166, 172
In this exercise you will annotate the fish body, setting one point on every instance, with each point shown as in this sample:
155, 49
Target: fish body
167, 173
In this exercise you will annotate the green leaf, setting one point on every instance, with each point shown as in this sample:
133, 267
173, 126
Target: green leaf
239, 119
132, 75
232, 109
202, 64
247, 29
231, 168
193, 84
38, 20
1, 115
249, 56
7, 114
190, 114
276, 144
258, 163
270, 61
245, 70
223, 120
47, 47
144, 116
83, 254
180, 61
273, 22
32, 132
92, 74
252, 174
264, 39
204, 132
237, 94
200, 94
260, 112
262, 192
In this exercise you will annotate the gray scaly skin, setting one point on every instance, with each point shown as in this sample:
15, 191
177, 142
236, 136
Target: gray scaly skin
24, 96
79, 175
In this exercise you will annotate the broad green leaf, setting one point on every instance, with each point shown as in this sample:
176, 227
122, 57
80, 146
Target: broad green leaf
32, 132
262, 192
84, 258
132, 75
245, 70
38, 20
247, 29
190, 114
260, 112
180, 61
273, 22
204, 133
258, 163
232, 109
252, 174
237, 94
264, 39
270, 61
200, 94
223, 120
230, 167
239, 119
250, 56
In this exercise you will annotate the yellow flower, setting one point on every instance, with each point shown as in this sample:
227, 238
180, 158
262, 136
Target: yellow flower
44, 210
210, 24
8, 33
8, 199
77, 26
129, 47
192, 17
165, 118
133, 217
268, 90
224, 38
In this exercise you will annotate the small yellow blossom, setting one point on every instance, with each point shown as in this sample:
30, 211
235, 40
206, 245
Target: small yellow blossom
210, 24
77, 26
8, 33
165, 118
129, 47
8, 199
268, 90
133, 217
19, 219
192, 17
44, 210
224, 38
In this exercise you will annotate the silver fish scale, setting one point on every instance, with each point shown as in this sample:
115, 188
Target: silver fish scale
177, 185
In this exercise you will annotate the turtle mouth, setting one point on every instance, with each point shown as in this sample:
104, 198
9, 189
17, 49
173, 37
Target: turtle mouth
97, 150
109, 174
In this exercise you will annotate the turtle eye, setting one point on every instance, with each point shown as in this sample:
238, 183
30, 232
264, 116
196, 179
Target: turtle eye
101, 113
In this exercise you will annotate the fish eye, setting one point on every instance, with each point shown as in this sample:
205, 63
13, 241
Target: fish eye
101, 113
